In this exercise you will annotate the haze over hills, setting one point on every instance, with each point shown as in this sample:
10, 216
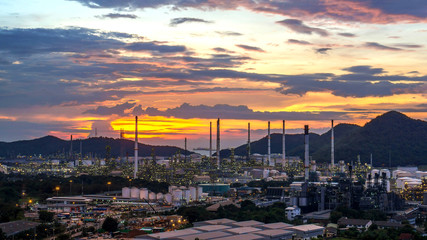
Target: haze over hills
391, 136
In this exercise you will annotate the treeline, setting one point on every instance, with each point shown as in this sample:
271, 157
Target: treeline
247, 211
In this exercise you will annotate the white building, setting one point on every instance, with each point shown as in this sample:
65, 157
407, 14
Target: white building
292, 212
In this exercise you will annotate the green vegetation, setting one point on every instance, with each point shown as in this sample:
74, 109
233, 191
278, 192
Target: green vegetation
110, 224
373, 233
247, 211
374, 215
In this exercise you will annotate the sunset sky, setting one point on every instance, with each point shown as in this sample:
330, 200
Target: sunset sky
68, 67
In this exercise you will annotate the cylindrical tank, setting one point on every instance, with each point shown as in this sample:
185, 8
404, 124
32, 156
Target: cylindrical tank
388, 186
168, 198
159, 196
342, 166
143, 193
126, 192
387, 173
171, 188
183, 187
375, 171
265, 173
186, 195
313, 166
152, 196
134, 192
302, 202
199, 193
193, 193
273, 173
177, 194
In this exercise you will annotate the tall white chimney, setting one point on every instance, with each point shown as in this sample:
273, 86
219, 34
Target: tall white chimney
283, 145
210, 142
136, 147
218, 144
306, 153
249, 142
332, 145
270, 163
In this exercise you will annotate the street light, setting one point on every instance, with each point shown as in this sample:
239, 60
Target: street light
57, 190
108, 184
71, 181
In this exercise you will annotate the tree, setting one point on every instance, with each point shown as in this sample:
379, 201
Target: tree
46, 216
110, 224
2, 235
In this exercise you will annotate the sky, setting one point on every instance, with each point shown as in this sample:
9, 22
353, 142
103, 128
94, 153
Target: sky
73, 66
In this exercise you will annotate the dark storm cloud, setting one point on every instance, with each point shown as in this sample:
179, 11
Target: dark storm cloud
176, 21
299, 42
118, 109
226, 111
378, 46
26, 42
119, 15
367, 11
299, 27
250, 48
364, 69
323, 50
153, 46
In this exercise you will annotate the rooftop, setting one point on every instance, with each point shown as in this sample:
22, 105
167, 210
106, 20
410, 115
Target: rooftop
249, 223
242, 230
306, 228
278, 225
15, 227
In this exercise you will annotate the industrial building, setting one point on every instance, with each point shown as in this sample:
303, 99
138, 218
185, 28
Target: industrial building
230, 229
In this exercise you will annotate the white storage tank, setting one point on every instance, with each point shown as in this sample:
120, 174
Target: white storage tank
125, 192
375, 171
386, 172
171, 188
152, 196
193, 193
159, 196
134, 192
199, 193
177, 194
168, 198
265, 173
186, 195
143, 193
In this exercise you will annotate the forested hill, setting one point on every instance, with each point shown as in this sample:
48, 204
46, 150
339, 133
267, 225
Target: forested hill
392, 136
50, 145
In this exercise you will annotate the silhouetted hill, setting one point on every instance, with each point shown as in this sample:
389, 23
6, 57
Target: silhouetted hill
50, 145
392, 134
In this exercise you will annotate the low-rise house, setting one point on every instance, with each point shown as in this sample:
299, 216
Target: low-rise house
354, 223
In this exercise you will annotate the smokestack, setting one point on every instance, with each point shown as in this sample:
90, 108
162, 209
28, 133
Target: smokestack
269, 162
218, 147
71, 147
283, 145
306, 152
185, 150
249, 142
332, 145
136, 147
210, 142
81, 148
371, 161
